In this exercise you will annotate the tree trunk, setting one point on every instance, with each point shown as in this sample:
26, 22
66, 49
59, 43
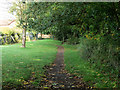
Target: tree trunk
63, 38
24, 38
41, 34
36, 35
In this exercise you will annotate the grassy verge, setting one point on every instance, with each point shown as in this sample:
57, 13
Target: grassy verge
76, 65
18, 64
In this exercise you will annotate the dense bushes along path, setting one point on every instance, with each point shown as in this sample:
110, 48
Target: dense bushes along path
57, 77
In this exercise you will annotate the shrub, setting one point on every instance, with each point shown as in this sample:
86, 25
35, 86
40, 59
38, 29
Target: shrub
9, 38
73, 40
101, 52
1, 41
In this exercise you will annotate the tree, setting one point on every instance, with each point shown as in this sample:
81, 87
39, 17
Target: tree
19, 7
73, 19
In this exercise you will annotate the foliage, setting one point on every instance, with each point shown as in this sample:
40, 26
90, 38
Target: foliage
106, 53
19, 8
9, 37
73, 40
73, 19
6, 30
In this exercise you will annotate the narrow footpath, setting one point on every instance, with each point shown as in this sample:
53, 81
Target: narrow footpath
58, 78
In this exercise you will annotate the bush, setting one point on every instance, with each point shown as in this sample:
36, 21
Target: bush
9, 38
102, 55
1, 41
86, 48
73, 40
101, 52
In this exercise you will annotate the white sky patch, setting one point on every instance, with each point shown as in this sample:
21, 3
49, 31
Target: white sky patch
4, 8
74, 0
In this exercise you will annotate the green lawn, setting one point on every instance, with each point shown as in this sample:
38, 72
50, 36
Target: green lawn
19, 63
80, 67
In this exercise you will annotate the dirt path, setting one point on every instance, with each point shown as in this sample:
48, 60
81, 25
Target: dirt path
57, 77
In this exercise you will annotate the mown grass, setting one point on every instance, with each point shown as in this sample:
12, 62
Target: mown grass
93, 76
18, 64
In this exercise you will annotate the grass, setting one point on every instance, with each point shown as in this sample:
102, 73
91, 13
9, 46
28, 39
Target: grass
19, 63
76, 65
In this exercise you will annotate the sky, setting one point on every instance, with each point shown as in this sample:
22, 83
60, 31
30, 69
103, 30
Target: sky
4, 8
